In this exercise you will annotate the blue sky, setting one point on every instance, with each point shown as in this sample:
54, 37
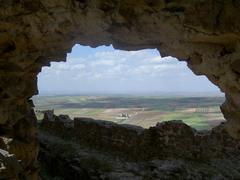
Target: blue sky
105, 70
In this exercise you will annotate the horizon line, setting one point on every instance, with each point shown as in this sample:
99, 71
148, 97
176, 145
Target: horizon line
134, 93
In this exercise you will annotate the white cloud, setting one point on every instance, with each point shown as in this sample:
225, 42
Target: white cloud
110, 67
97, 76
113, 64
103, 62
77, 67
156, 59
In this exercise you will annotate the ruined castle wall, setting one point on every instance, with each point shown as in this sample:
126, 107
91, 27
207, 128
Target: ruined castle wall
166, 140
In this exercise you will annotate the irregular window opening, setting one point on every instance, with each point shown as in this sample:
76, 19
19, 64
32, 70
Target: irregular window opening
128, 87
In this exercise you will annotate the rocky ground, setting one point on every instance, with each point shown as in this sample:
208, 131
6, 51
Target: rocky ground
91, 149
64, 159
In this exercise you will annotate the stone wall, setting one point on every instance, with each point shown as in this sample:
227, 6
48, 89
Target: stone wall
204, 33
171, 139
73, 161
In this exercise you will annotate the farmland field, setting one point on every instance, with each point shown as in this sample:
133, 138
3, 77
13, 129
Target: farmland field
145, 111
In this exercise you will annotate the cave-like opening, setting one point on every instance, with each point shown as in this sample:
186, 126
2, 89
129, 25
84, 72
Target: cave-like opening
204, 33
128, 87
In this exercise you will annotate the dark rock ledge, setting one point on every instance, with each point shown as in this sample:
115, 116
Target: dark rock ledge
85, 148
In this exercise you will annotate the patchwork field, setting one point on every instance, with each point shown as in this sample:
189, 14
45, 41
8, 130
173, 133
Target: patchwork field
145, 111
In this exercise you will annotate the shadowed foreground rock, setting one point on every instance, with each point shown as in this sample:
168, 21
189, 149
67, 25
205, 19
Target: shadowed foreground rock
172, 149
10, 167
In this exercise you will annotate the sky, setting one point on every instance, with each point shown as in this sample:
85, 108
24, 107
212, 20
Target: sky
104, 70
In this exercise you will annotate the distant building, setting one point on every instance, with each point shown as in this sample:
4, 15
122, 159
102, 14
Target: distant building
124, 115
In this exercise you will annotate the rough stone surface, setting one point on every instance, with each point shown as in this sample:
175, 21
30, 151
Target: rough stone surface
74, 162
205, 33
170, 139
10, 168
96, 149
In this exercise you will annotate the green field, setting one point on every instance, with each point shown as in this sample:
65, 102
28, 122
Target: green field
145, 111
